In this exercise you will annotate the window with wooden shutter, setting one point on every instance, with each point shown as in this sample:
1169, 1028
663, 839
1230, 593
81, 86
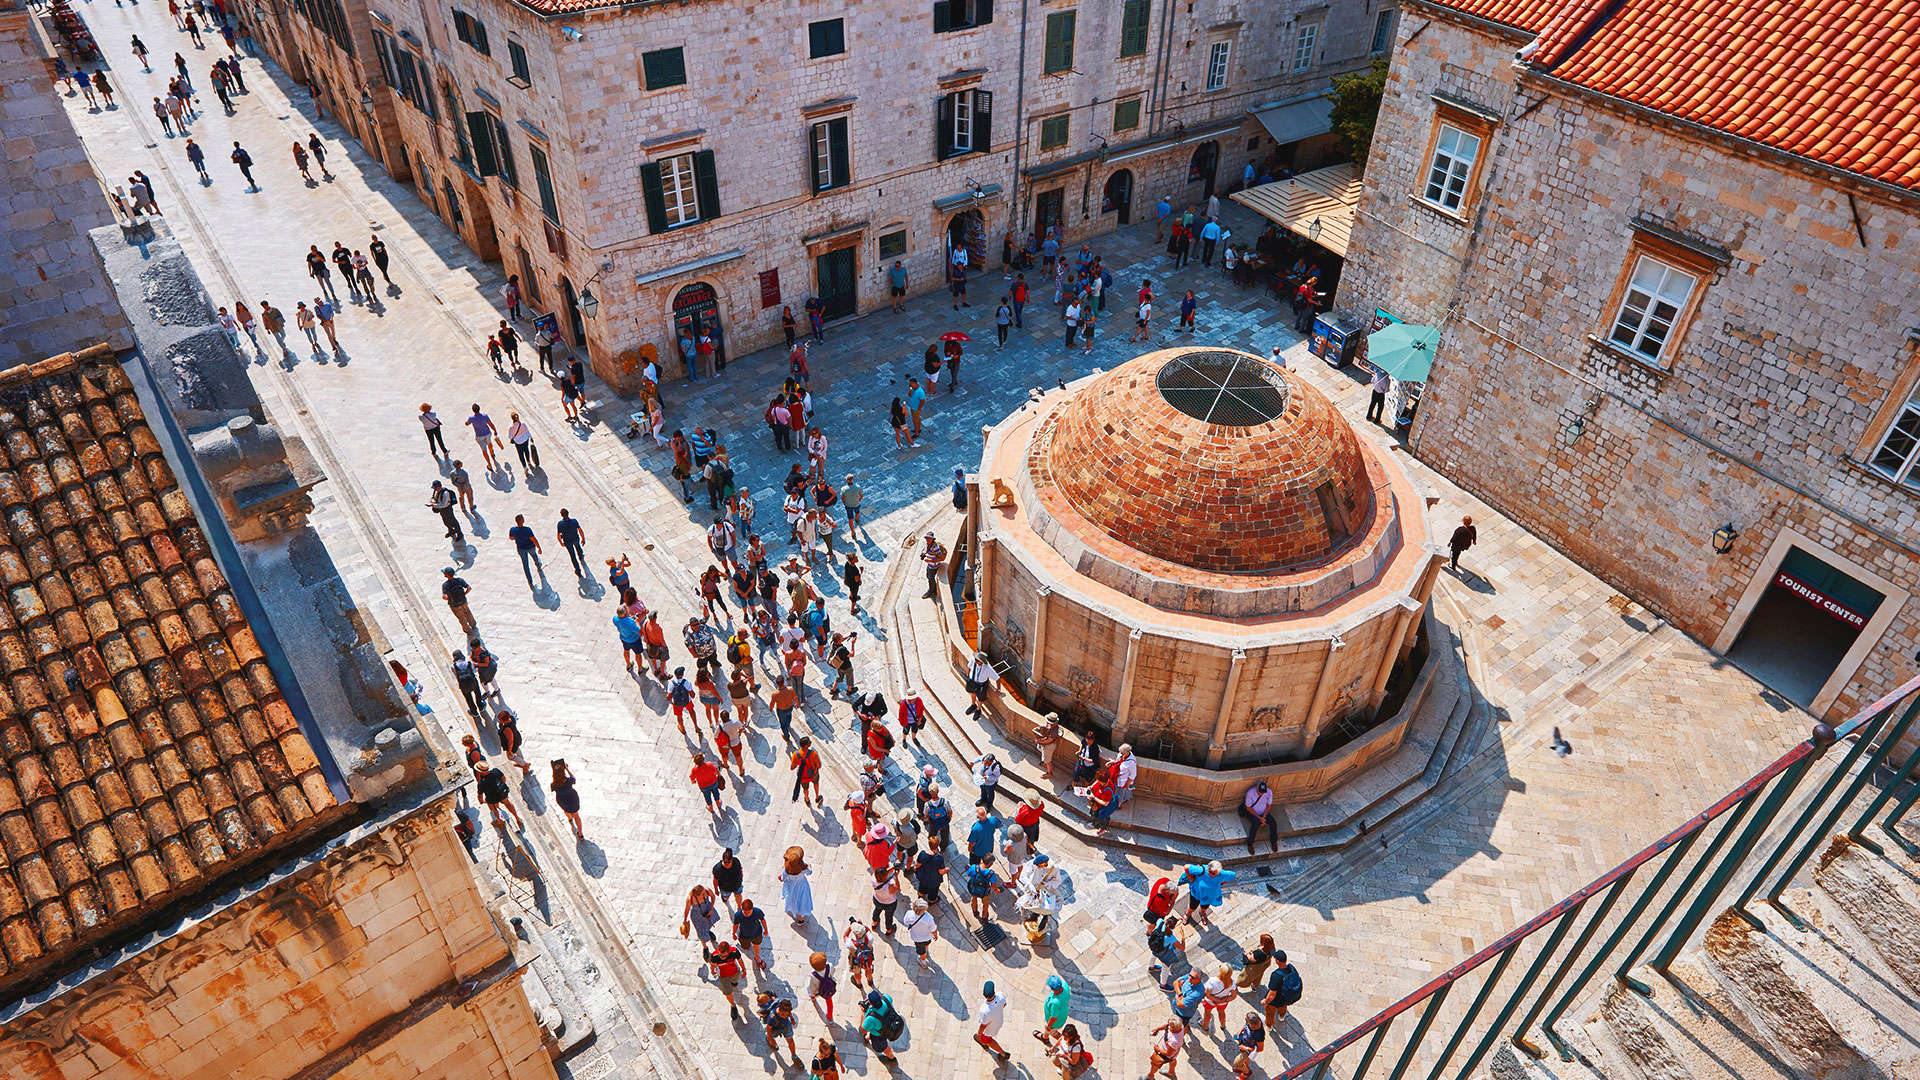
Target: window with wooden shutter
943, 128
543, 181
653, 192
1133, 28
504, 148
706, 184
662, 68
831, 165
1059, 56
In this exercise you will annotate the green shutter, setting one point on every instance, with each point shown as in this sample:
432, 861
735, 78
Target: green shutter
543, 178
840, 168
480, 134
1059, 43
982, 12
706, 185
943, 128
504, 147
655, 197
942, 16
983, 120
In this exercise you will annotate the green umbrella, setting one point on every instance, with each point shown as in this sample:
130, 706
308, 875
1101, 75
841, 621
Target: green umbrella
1403, 350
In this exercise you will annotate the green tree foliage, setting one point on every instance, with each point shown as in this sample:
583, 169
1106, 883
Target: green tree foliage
1356, 105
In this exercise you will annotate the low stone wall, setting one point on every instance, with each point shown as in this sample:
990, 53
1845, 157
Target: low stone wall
1186, 785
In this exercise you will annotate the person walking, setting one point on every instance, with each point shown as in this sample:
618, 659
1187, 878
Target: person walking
317, 270
698, 914
916, 400
166, 118
897, 416
343, 259
776, 1013
574, 539
491, 784
796, 891
1463, 538
750, 930
467, 677
324, 311
923, 930
521, 436
378, 249
1072, 318
886, 898
880, 1025
300, 161
1018, 298
706, 776
319, 153
243, 318
566, 795
430, 422
442, 501
1209, 236
1053, 1011
804, 763
510, 294
486, 435
303, 318
463, 486
724, 968
140, 52
245, 161
728, 874
1002, 322
1143, 321
821, 986
363, 275
274, 323
527, 545
1188, 305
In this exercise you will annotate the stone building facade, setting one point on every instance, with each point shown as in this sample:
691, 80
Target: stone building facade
721, 160
54, 296
1664, 320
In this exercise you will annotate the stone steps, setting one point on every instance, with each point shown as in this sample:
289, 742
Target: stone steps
1835, 998
1439, 741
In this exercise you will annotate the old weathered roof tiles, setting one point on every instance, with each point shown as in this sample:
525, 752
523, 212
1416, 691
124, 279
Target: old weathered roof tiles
145, 746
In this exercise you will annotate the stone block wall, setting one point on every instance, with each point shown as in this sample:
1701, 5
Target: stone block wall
380, 962
54, 295
1765, 402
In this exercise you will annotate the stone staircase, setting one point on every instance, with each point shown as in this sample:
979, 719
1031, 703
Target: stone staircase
1448, 729
1835, 1000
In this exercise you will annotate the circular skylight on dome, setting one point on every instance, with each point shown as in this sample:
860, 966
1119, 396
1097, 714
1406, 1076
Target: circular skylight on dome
1220, 387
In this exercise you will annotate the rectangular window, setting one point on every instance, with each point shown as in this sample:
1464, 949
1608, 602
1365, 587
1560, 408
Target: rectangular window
961, 14
1126, 115
893, 244
543, 179
664, 68
828, 37
380, 49
1898, 457
470, 30
1383, 32
964, 123
831, 164
528, 278
1059, 57
1053, 131
678, 191
1454, 153
1218, 59
1656, 294
517, 58
1134, 20
1303, 44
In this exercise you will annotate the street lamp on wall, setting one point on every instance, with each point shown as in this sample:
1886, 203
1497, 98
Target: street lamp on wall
1723, 538
589, 304
366, 103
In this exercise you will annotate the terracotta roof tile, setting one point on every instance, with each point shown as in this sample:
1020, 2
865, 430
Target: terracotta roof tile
1835, 81
145, 746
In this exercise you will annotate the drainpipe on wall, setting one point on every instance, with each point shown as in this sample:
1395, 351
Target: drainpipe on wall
1160, 68
1018, 215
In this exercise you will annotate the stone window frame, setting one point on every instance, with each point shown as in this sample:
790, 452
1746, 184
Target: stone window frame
886, 232
1700, 265
1224, 63
1308, 34
1050, 124
1479, 125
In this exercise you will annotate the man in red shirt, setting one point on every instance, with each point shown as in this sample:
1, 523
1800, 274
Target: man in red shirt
706, 776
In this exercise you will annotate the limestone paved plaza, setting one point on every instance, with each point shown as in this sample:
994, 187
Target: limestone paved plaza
1550, 645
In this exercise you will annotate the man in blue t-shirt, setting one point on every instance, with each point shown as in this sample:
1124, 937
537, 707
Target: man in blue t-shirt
573, 538
528, 545
981, 835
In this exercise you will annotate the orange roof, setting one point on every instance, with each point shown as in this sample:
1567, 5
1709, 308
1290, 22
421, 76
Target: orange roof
145, 746
1528, 15
1836, 81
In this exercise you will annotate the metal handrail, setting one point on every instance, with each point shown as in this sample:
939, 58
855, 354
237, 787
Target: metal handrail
1799, 759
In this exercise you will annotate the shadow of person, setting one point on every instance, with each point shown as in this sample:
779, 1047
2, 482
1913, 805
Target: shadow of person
593, 858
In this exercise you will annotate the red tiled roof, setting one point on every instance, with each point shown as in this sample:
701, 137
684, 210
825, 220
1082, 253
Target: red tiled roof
1836, 81
145, 747
1528, 15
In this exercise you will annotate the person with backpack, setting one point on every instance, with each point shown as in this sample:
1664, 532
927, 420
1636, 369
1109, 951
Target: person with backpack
805, 763
680, 696
492, 786
1167, 944
821, 984
725, 969
777, 1014
936, 817
1283, 989
467, 677
929, 866
881, 1025
981, 883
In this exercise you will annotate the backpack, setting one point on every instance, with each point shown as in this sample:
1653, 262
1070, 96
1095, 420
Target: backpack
681, 692
979, 881
1290, 986
493, 787
892, 1024
737, 648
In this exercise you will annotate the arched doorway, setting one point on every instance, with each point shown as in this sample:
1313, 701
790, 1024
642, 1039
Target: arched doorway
1205, 162
696, 307
967, 231
576, 325
486, 242
1119, 197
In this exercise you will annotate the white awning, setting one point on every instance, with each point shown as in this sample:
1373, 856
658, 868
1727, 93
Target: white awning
1317, 205
1300, 118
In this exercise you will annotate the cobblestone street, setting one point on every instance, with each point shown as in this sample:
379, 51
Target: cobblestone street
1550, 646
